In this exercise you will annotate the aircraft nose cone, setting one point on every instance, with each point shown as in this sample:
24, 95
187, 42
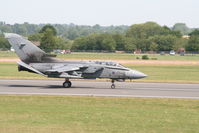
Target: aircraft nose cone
133, 74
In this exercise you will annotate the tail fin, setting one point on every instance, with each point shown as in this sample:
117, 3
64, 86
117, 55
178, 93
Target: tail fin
26, 50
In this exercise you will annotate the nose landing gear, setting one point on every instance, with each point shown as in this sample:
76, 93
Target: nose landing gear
113, 85
67, 83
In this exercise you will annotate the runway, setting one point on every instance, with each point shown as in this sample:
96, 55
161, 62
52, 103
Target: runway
99, 88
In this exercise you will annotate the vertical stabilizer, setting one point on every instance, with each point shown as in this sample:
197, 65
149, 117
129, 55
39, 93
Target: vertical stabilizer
26, 50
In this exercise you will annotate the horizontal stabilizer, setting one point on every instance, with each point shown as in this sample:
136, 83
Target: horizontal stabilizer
29, 67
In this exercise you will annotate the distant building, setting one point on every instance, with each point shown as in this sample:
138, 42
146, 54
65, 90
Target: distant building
181, 51
120, 52
137, 51
186, 36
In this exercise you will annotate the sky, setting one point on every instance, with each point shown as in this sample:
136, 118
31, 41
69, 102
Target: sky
102, 12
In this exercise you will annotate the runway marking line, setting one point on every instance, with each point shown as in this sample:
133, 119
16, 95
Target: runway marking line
95, 95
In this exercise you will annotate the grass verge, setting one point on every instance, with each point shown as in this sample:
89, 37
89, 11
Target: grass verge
110, 56
169, 73
57, 114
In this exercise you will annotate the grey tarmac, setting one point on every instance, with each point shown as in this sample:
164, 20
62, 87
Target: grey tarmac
99, 88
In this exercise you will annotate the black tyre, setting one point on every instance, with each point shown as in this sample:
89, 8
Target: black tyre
67, 84
113, 86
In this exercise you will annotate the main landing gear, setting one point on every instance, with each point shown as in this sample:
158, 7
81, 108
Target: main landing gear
67, 83
113, 85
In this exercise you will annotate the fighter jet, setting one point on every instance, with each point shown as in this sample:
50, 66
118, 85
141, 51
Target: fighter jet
35, 60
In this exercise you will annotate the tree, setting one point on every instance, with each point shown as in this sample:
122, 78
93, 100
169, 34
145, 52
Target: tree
180, 43
62, 44
4, 44
144, 31
164, 43
48, 40
120, 41
193, 43
46, 27
153, 46
130, 44
35, 37
80, 43
168, 31
108, 43
5, 29
72, 34
194, 33
143, 44
182, 28
20, 29
95, 42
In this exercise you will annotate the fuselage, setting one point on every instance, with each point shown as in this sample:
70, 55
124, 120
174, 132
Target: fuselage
90, 70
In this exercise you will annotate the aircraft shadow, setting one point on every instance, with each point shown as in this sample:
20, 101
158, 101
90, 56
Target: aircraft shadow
46, 87
92, 88
61, 87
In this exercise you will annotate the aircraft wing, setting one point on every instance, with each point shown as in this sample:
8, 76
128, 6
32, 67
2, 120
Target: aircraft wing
66, 68
65, 71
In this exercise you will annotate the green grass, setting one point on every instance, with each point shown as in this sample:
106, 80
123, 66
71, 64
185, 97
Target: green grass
10, 71
7, 54
166, 73
162, 73
126, 56
110, 56
56, 114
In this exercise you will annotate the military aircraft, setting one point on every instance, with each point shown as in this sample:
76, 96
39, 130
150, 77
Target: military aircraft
35, 60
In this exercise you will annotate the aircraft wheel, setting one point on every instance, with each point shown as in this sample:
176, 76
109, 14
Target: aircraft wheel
67, 84
113, 86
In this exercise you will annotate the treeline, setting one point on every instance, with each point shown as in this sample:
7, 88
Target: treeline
146, 37
66, 31
149, 36
72, 31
